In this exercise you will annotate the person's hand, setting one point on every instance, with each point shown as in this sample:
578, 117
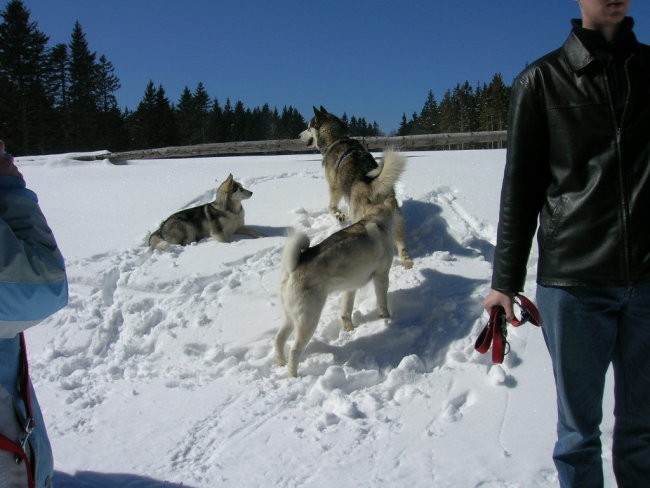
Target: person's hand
499, 299
7, 166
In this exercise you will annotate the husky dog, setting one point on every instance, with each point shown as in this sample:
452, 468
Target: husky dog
345, 261
220, 219
353, 174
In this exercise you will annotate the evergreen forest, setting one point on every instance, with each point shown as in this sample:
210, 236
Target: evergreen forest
62, 98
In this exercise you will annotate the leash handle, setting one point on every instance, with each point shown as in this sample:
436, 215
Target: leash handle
493, 335
495, 332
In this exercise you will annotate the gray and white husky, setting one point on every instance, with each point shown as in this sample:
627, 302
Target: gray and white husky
219, 219
352, 172
345, 261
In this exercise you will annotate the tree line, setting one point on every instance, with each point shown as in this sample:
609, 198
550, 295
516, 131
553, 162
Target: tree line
62, 98
463, 109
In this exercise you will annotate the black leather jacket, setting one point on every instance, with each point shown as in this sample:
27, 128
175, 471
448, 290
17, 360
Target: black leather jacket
579, 161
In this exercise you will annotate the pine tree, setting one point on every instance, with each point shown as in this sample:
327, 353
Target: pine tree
107, 84
84, 103
427, 122
111, 133
239, 122
494, 104
291, 123
25, 109
153, 124
228, 116
449, 116
465, 102
265, 124
185, 116
58, 87
59, 81
201, 114
217, 128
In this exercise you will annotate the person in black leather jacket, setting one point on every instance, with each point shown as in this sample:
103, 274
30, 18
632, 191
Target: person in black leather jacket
578, 163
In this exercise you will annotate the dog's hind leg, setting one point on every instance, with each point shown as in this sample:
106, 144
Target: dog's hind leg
281, 339
380, 280
305, 328
402, 252
347, 303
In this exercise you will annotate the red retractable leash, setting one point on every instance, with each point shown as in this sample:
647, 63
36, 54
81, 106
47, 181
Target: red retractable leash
495, 332
19, 449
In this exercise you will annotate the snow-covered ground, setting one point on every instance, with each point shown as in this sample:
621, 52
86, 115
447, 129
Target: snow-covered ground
160, 372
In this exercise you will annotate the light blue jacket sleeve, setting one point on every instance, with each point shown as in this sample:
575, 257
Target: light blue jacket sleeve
33, 283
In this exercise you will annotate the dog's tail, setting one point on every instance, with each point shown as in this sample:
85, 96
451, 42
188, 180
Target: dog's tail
296, 244
387, 173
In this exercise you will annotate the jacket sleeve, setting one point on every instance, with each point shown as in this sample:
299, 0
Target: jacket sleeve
33, 283
524, 182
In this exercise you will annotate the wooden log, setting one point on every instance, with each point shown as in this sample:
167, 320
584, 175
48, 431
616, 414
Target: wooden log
292, 146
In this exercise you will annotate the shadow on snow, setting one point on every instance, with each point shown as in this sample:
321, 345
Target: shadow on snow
89, 479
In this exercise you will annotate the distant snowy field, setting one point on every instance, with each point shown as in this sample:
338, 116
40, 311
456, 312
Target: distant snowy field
160, 372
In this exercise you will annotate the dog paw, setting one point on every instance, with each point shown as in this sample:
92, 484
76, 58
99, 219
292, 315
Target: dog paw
405, 257
292, 369
280, 358
340, 216
347, 324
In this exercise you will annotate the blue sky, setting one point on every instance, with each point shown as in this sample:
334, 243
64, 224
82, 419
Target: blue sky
374, 59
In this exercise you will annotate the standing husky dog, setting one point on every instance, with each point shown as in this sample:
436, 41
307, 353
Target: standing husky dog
353, 174
219, 219
345, 261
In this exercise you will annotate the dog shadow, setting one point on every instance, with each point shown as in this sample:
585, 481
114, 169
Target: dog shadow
89, 479
425, 321
264, 231
427, 232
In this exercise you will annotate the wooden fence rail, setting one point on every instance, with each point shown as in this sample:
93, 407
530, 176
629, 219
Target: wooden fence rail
289, 146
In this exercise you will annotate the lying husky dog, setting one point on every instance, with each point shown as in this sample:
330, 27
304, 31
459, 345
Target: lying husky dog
353, 174
345, 261
219, 219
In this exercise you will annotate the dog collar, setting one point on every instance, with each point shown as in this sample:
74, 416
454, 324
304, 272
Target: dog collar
346, 155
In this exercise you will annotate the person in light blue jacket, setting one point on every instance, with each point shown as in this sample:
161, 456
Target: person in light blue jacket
33, 286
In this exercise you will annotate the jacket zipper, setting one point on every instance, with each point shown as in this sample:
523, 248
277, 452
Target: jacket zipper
621, 174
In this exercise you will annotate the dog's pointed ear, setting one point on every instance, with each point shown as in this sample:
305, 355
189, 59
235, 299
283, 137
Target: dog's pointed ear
322, 110
316, 112
228, 183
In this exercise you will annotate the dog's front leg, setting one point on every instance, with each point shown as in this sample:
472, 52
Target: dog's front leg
347, 303
380, 280
335, 198
216, 232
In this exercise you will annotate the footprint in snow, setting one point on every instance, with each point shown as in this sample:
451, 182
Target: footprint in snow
453, 412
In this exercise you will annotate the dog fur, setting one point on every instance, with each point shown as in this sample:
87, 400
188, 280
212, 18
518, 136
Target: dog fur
219, 219
345, 261
353, 174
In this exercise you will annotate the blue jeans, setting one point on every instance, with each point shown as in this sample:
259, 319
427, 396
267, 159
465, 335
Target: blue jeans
586, 329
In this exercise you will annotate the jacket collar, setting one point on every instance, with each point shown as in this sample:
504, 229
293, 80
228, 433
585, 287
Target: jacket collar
583, 47
576, 53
